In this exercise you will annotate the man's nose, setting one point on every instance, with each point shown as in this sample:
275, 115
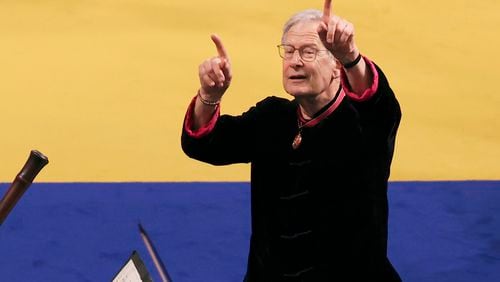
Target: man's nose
296, 58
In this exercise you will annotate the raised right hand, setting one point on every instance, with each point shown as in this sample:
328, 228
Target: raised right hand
215, 73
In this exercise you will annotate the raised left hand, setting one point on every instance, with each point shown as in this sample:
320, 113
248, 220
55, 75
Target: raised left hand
337, 35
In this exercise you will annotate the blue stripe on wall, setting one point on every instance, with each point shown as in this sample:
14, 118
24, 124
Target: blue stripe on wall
439, 231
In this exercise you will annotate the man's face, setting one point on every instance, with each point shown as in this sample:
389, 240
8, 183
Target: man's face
302, 78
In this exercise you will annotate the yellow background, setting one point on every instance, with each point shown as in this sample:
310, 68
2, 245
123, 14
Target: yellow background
101, 86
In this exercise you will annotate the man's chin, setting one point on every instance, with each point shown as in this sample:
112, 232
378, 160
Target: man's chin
298, 94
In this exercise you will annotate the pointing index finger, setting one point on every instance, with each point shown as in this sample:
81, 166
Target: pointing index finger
326, 10
220, 47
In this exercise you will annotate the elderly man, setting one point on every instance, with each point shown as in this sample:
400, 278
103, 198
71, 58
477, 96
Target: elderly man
319, 162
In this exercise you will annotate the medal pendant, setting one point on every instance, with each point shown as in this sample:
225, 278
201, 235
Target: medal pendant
296, 141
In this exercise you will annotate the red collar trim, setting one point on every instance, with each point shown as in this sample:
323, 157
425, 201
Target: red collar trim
323, 115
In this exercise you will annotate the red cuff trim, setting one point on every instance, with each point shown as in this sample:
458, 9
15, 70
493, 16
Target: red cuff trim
369, 92
202, 131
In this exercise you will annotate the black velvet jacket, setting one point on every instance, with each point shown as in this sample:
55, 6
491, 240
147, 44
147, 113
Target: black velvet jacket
319, 212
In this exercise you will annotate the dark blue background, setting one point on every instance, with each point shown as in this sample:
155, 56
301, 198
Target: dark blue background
439, 231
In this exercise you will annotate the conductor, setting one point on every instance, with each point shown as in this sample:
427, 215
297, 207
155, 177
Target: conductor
320, 161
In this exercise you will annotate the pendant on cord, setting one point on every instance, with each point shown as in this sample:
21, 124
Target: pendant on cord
297, 140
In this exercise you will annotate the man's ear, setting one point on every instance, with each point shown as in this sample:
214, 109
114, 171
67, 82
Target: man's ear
337, 67
338, 64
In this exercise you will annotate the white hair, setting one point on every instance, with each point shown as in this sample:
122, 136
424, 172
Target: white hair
303, 16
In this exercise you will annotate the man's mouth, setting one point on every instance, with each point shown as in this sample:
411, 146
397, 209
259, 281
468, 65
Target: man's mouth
297, 77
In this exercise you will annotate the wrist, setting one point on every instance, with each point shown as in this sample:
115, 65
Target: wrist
353, 61
207, 101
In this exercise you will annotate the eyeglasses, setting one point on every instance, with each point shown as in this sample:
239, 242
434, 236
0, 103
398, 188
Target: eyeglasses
307, 53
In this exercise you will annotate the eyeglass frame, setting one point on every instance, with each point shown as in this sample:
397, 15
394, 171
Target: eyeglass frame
301, 51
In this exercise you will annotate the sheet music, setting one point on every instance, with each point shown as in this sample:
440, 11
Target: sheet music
133, 271
128, 273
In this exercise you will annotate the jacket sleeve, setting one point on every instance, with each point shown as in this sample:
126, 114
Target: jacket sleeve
380, 114
229, 139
